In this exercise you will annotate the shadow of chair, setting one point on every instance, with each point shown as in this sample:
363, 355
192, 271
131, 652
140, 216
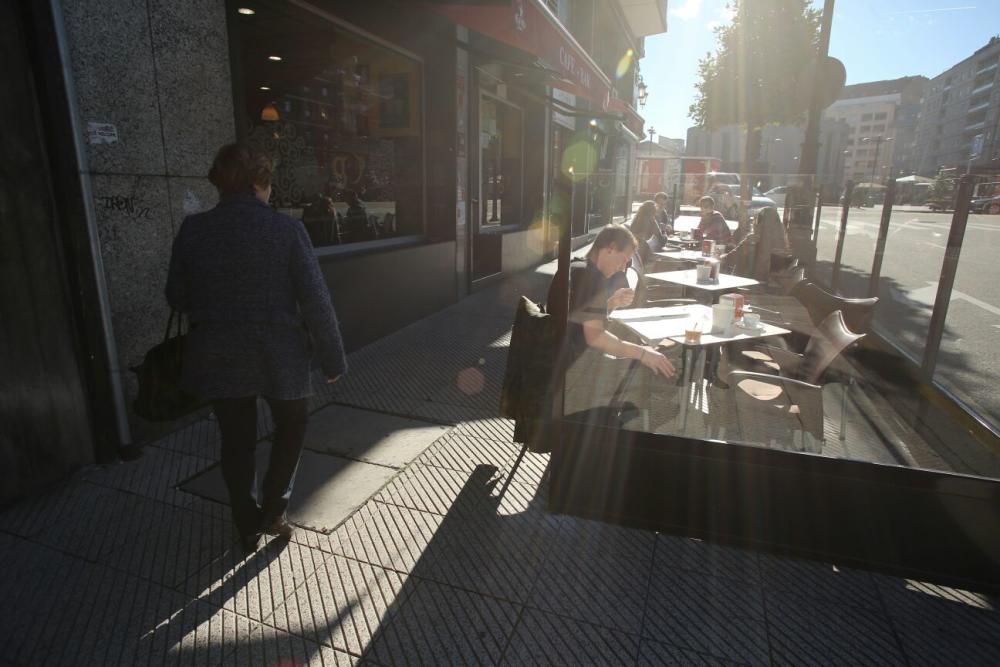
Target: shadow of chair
793, 399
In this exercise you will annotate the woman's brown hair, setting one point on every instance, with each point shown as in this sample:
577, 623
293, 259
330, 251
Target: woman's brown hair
237, 168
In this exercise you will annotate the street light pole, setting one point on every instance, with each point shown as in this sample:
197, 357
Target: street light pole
878, 143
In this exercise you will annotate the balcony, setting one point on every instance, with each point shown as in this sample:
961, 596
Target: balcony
979, 106
988, 68
985, 86
645, 17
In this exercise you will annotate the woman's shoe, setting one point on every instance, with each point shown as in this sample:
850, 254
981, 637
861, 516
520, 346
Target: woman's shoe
250, 543
278, 527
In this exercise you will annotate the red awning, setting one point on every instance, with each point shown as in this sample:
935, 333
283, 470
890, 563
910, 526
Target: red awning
529, 26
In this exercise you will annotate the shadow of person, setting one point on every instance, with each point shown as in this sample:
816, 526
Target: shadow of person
488, 546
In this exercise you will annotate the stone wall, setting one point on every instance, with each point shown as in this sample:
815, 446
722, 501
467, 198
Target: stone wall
154, 97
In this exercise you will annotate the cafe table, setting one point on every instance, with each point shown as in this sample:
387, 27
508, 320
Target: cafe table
688, 279
683, 255
687, 223
654, 325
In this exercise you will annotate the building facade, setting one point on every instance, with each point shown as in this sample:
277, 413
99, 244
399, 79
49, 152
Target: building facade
881, 118
470, 131
780, 151
960, 120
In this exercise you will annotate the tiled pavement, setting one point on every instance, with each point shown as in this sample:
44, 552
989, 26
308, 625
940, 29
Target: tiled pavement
119, 566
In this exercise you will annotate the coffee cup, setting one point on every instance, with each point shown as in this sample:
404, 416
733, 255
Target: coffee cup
692, 332
751, 320
703, 273
722, 317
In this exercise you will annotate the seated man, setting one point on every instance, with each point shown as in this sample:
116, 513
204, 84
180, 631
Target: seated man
713, 226
593, 380
356, 219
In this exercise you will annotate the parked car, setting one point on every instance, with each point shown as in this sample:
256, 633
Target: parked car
777, 195
759, 201
985, 205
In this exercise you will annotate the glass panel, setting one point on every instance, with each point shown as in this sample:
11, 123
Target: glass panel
826, 368
907, 288
342, 118
967, 362
501, 147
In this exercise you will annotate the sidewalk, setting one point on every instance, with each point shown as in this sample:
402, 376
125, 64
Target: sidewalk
410, 556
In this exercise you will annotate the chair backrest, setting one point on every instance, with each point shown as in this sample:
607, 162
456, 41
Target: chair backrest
820, 303
831, 338
632, 277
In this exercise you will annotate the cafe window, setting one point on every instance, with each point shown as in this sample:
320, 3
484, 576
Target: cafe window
341, 115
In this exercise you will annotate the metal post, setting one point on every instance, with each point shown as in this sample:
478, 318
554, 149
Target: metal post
883, 234
948, 270
819, 213
878, 142
675, 208
844, 210
810, 144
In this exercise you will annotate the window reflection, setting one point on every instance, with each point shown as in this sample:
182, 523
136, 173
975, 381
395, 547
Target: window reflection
341, 116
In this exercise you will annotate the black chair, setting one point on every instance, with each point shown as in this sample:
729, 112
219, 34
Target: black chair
649, 293
858, 313
794, 397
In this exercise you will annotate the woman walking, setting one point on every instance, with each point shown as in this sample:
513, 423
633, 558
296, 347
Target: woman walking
260, 312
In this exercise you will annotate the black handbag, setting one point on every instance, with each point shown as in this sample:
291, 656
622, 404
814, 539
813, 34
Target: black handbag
160, 396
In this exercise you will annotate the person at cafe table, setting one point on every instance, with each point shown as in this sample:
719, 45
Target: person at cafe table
662, 217
712, 226
592, 377
647, 231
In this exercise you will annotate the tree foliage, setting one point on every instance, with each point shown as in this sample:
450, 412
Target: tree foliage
943, 187
783, 40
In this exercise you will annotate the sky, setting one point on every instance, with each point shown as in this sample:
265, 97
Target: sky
875, 39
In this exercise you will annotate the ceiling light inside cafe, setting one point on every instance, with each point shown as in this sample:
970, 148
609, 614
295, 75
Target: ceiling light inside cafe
274, 58
246, 11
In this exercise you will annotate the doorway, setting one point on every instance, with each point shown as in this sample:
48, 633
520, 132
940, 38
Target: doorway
498, 204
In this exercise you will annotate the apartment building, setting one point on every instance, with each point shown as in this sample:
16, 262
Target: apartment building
960, 120
881, 119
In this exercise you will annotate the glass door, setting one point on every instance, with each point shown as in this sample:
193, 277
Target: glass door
500, 168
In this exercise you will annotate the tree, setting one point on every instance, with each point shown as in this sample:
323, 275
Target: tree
772, 84
943, 188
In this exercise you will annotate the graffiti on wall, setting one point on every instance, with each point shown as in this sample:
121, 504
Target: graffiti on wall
124, 205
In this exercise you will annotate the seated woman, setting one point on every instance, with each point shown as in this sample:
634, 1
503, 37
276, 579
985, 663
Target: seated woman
769, 244
598, 370
646, 230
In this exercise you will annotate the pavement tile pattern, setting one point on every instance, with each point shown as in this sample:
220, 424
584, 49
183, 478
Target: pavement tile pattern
453, 561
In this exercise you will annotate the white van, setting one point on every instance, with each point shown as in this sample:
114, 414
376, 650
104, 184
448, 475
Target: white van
727, 179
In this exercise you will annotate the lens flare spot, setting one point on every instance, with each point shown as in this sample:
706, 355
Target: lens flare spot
625, 64
579, 160
470, 381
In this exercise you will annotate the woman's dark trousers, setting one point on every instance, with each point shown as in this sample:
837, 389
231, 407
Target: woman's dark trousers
238, 425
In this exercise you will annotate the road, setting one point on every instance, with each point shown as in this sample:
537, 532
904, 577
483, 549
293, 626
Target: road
968, 364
